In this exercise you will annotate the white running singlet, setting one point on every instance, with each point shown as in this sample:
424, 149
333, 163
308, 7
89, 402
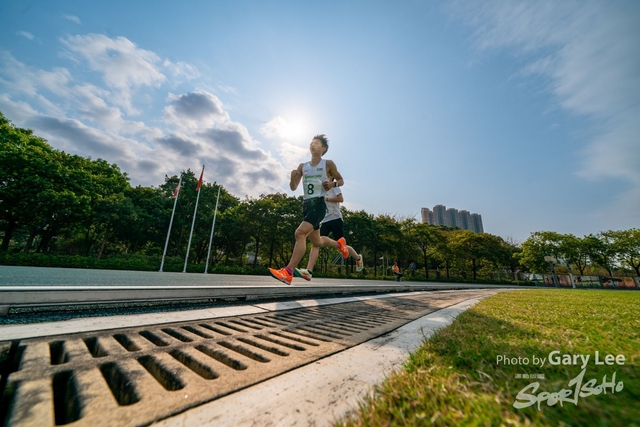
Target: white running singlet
312, 178
333, 208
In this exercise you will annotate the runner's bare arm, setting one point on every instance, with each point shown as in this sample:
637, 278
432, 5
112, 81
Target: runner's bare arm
337, 199
332, 170
296, 176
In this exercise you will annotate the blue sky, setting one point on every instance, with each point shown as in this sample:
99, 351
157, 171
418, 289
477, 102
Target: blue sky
525, 112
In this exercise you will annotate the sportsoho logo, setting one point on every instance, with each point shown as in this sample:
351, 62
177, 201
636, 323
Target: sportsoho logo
577, 387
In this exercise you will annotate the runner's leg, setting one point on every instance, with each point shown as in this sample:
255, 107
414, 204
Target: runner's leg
301, 243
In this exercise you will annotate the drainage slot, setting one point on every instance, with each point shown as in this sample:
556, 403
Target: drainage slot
96, 350
67, 406
344, 324
244, 351
319, 331
214, 329
235, 328
269, 348
120, 385
176, 334
222, 358
160, 373
343, 327
262, 323
245, 324
282, 343
198, 367
126, 342
298, 339
276, 320
154, 338
301, 317
57, 353
196, 331
307, 335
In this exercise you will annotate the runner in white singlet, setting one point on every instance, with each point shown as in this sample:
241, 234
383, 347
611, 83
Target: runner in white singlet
332, 224
315, 174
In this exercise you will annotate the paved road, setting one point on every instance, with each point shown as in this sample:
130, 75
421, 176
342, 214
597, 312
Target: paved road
44, 276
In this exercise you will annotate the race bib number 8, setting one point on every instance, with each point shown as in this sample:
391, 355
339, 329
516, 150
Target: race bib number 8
312, 188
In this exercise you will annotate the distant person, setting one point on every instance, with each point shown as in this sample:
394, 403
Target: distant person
412, 268
316, 182
332, 224
396, 271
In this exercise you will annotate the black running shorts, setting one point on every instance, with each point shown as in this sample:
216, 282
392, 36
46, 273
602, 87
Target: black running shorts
335, 226
314, 211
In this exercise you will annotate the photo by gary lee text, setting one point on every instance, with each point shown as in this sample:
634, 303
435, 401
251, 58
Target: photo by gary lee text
557, 358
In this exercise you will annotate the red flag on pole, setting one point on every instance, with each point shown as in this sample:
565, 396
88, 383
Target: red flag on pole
200, 180
176, 191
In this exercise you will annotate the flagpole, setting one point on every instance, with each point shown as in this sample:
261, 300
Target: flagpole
175, 202
186, 258
213, 226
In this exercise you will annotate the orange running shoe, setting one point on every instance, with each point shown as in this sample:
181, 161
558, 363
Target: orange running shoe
343, 248
282, 275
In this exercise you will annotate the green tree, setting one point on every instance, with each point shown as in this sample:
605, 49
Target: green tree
476, 248
426, 238
627, 245
602, 250
359, 232
539, 245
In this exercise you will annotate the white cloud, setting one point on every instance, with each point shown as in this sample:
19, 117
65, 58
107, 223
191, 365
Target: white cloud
89, 119
588, 52
228, 89
124, 66
275, 128
72, 18
292, 155
25, 34
293, 131
181, 70
198, 109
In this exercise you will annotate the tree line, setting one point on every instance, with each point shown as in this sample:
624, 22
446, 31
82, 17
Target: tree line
60, 204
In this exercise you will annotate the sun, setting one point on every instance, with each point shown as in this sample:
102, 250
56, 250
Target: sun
296, 129
292, 128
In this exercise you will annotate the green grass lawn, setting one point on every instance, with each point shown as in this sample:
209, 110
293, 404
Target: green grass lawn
458, 378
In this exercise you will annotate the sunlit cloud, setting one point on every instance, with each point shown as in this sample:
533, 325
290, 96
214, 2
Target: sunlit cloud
292, 155
25, 34
181, 70
72, 18
198, 109
123, 65
91, 119
587, 51
292, 131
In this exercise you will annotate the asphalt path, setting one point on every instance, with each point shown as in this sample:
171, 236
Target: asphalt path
48, 276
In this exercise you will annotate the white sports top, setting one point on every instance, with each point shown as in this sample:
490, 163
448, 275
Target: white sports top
333, 208
312, 178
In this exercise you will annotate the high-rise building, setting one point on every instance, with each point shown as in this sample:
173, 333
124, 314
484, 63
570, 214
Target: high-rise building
439, 213
464, 220
452, 218
476, 223
427, 215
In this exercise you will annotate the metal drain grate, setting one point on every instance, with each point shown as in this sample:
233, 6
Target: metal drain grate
135, 376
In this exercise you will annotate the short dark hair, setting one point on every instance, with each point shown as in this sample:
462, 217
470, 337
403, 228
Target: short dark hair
323, 139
